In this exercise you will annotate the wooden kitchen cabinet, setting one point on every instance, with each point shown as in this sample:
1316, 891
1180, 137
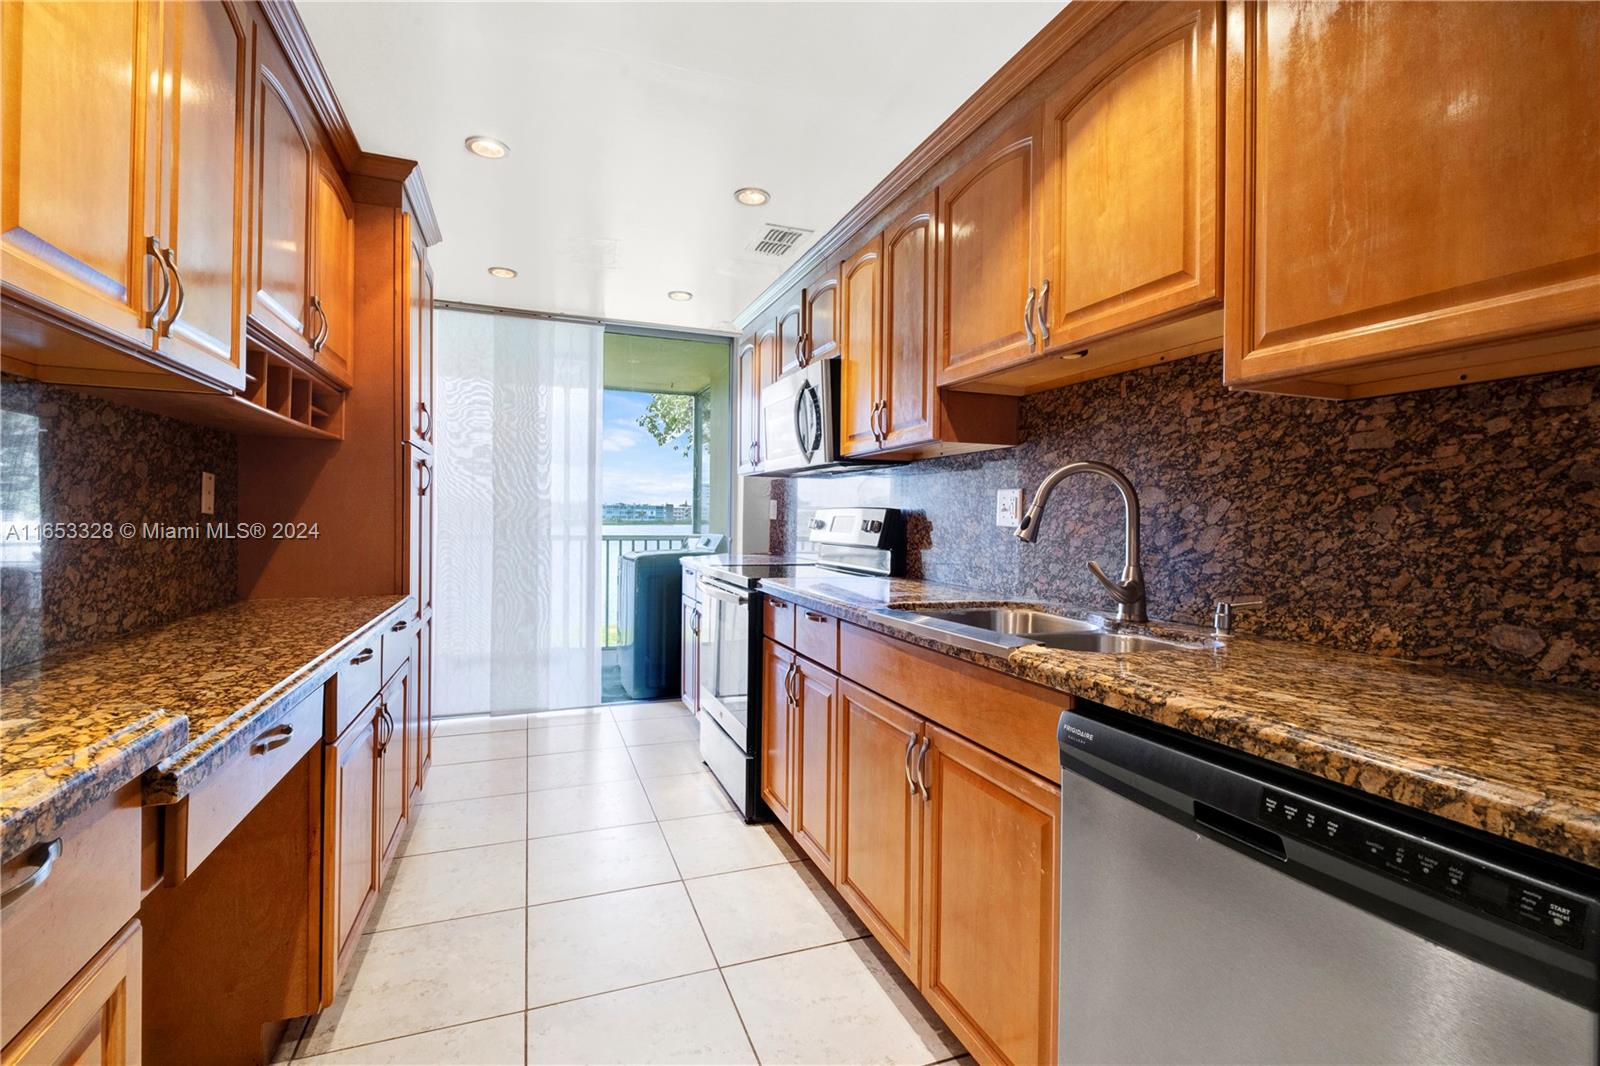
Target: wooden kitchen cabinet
788, 330
421, 755
753, 353
878, 869
1132, 183
419, 339
333, 290
1413, 194
419, 560
860, 338
991, 255
352, 826
777, 731
281, 271
96, 1018
79, 206
820, 334
394, 708
990, 833
814, 744
907, 390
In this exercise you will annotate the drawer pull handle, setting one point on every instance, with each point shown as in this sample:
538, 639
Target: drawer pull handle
46, 861
364, 656
398, 626
815, 617
275, 737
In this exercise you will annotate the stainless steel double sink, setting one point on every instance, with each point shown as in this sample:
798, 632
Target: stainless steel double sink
1005, 628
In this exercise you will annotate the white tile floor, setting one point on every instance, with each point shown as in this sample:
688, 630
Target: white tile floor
577, 889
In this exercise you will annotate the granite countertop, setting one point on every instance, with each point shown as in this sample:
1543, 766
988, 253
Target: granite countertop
701, 562
172, 703
1518, 761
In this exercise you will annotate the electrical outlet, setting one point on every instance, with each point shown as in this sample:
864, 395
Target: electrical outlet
772, 510
1008, 507
208, 493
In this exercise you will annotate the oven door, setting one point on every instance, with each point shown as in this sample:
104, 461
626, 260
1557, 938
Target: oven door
725, 659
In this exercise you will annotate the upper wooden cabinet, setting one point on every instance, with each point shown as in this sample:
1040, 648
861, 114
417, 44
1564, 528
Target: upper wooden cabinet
124, 154
990, 256
419, 339
751, 350
860, 306
908, 395
281, 270
1132, 173
819, 338
787, 354
333, 289
1413, 191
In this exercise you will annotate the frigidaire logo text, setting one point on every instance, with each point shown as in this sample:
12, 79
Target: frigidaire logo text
1079, 733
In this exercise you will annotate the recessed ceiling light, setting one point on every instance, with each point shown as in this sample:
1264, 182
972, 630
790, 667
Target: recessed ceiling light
487, 147
680, 295
751, 196
503, 272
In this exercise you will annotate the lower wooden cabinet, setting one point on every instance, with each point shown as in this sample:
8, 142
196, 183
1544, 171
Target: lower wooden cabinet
95, 1018
352, 828
777, 715
394, 711
879, 867
990, 899
946, 851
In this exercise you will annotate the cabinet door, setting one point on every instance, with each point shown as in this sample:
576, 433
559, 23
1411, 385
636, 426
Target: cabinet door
991, 834
78, 152
392, 779
788, 328
821, 326
413, 727
419, 547
1132, 179
816, 762
203, 216
860, 336
282, 168
750, 361
419, 339
1407, 178
879, 856
689, 655
96, 1017
422, 662
352, 821
908, 378
777, 726
990, 256
333, 315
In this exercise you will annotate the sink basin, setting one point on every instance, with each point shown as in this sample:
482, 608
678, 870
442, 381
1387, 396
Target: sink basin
1114, 643
1013, 621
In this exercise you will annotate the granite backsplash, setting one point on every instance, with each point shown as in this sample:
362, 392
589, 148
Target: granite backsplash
1457, 526
71, 457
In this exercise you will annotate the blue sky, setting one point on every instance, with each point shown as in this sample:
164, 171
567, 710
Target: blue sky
633, 467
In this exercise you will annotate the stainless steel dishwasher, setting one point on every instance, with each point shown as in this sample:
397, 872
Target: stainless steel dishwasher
1219, 909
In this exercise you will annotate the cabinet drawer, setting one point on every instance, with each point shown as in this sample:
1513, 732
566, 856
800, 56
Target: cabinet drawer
359, 679
777, 621
204, 819
396, 640
50, 931
816, 636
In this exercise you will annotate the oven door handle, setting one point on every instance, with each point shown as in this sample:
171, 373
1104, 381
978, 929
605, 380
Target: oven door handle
726, 593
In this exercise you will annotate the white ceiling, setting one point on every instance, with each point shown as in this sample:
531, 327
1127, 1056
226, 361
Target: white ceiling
631, 124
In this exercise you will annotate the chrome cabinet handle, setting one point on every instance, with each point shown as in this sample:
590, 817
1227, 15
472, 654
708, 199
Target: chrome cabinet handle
1027, 317
1044, 314
922, 767
152, 248
43, 864
398, 626
319, 338
426, 468
170, 258
872, 422
788, 684
801, 357
362, 656
313, 317
425, 429
813, 616
910, 746
276, 737
694, 621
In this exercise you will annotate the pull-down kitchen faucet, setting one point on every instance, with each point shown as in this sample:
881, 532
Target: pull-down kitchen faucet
1128, 592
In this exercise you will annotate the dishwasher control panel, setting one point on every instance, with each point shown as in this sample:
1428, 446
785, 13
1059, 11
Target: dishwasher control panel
1534, 906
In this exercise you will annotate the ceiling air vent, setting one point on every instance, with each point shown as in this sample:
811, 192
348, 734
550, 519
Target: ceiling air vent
778, 241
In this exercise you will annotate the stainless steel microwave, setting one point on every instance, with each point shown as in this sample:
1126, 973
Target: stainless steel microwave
800, 423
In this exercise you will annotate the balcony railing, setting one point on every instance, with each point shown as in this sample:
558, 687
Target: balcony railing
612, 546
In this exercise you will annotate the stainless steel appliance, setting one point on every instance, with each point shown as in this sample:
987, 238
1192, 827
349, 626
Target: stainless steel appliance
800, 423
848, 541
1219, 909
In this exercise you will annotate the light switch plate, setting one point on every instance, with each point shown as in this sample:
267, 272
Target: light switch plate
208, 493
1008, 507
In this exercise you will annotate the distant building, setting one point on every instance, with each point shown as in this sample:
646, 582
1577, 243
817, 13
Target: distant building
619, 514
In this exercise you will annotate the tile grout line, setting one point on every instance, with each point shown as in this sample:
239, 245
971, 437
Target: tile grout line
419, 1032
